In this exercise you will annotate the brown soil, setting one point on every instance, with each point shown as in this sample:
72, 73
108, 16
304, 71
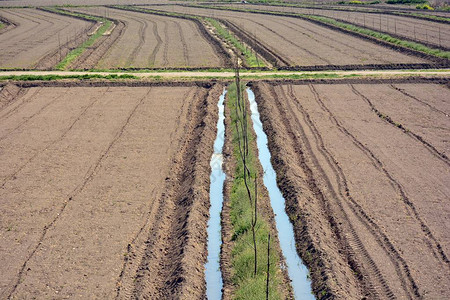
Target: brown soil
91, 56
99, 195
156, 41
8, 94
368, 200
40, 39
429, 32
304, 43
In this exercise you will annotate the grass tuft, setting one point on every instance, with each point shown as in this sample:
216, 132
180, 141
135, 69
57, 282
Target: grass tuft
250, 57
75, 53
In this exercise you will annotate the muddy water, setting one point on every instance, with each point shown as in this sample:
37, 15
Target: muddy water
213, 274
298, 273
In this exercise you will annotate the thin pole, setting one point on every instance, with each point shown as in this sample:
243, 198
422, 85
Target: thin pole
268, 268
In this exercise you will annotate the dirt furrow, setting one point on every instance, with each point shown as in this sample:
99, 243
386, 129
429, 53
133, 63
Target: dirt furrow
158, 44
136, 247
46, 146
382, 239
407, 131
418, 100
141, 34
88, 177
373, 278
29, 118
167, 259
183, 43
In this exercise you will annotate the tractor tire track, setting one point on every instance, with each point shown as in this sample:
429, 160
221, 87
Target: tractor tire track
418, 100
27, 119
90, 174
291, 42
141, 34
183, 42
23, 93
436, 249
136, 247
407, 282
159, 42
441, 156
166, 44
54, 142
374, 280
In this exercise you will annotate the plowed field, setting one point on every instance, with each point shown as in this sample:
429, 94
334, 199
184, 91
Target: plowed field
364, 165
156, 41
303, 43
36, 38
99, 185
415, 29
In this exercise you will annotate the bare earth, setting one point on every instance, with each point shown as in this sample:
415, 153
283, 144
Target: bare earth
90, 187
304, 43
431, 32
156, 41
37, 34
373, 197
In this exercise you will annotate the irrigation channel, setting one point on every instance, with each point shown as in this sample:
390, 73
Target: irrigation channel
213, 275
298, 273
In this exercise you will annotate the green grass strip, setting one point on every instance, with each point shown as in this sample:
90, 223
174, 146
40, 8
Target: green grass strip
157, 12
248, 286
424, 16
385, 37
58, 77
72, 55
250, 57
382, 36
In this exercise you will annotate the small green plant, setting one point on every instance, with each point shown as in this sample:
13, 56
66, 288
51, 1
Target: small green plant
425, 6
405, 1
75, 53
250, 56
356, 2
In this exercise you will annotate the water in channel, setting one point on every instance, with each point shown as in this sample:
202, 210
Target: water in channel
213, 274
298, 273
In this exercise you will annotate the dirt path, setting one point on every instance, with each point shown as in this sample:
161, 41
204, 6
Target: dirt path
224, 74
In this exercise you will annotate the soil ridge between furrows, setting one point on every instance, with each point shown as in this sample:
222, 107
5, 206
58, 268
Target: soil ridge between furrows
9, 93
405, 50
92, 55
217, 45
229, 165
325, 283
343, 256
170, 264
52, 58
